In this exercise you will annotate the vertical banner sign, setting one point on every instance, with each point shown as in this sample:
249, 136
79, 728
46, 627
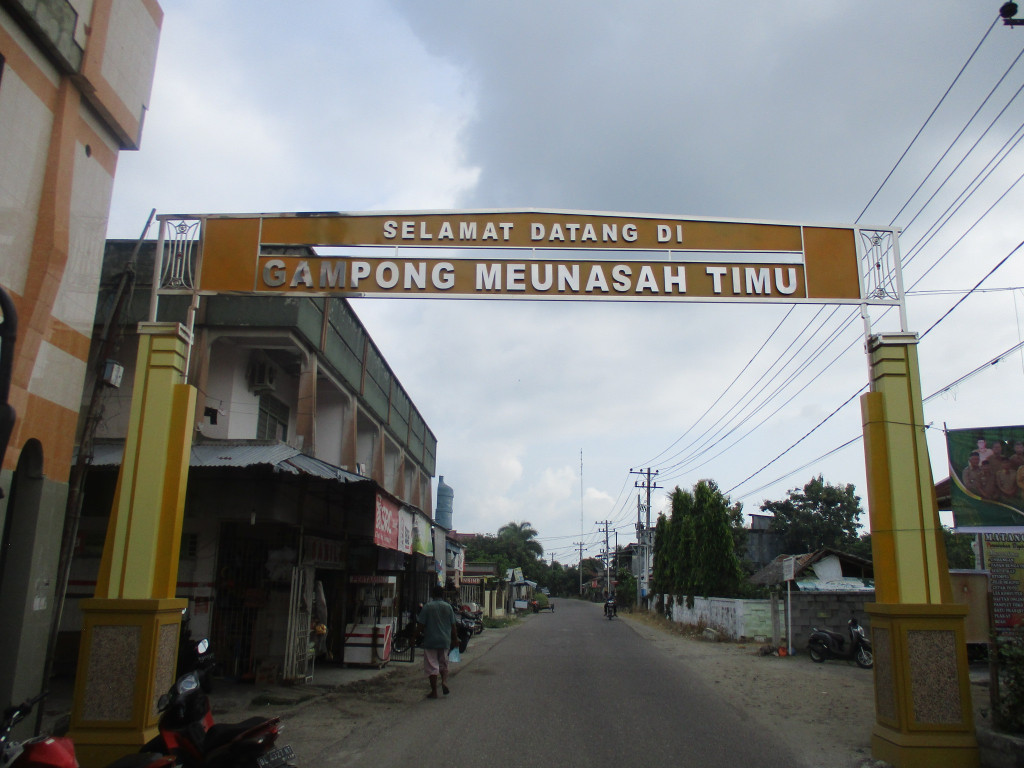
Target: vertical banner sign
385, 524
439, 549
986, 478
1004, 559
405, 517
422, 544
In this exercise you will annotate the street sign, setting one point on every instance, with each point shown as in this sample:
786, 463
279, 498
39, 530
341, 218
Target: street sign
510, 254
789, 569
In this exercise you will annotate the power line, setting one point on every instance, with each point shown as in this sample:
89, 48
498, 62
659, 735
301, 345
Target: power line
942, 221
736, 378
957, 138
927, 120
965, 296
966, 377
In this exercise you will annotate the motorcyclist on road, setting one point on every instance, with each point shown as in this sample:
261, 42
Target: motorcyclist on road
610, 607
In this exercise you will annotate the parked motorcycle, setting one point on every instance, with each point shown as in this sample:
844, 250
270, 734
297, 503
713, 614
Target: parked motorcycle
610, 609
464, 627
410, 634
195, 656
56, 751
826, 644
187, 732
473, 615
473, 619
407, 637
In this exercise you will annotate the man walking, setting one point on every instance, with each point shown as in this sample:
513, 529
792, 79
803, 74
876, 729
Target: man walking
437, 623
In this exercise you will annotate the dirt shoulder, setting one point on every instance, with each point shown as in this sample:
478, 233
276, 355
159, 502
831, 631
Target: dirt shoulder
824, 712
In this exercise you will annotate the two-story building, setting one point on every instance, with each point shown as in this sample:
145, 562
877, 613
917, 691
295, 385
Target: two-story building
308, 508
75, 78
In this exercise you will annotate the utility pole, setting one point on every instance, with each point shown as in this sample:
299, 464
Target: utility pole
580, 545
645, 535
648, 485
607, 559
642, 560
615, 558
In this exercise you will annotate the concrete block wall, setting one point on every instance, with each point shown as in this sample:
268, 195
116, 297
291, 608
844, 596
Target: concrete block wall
746, 619
737, 619
757, 618
825, 610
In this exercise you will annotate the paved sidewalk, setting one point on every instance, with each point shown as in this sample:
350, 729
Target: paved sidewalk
232, 700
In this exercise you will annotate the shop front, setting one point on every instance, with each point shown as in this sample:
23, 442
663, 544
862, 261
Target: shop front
384, 599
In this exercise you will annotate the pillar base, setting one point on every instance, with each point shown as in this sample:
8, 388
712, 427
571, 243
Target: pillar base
126, 662
927, 750
924, 716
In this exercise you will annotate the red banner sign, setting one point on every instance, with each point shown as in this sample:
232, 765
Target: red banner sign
385, 527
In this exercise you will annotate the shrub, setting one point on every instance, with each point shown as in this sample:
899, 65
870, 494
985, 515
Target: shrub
1009, 717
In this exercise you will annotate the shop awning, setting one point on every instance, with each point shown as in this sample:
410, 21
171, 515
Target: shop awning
240, 454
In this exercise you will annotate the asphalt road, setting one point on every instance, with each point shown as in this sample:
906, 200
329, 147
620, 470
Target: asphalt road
567, 689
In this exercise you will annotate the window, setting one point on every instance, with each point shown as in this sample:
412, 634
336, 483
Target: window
272, 423
189, 546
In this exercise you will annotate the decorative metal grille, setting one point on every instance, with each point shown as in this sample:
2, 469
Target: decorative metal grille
880, 265
178, 258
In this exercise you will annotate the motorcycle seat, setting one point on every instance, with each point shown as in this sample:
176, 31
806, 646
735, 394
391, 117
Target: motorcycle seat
222, 733
837, 638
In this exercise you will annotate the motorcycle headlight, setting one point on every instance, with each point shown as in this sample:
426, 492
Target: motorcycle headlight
187, 683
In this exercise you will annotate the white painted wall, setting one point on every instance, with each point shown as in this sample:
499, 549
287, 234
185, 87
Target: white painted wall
734, 618
24, 144
333, 410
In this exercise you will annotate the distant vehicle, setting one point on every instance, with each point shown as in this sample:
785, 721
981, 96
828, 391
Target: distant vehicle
611, 610
536, 606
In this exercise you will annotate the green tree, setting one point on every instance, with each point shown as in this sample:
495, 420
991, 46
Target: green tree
959, 552
488, 549
820, 515
515, 546
715, 570
862, 547
518, 542
625, 591
521, 539
661, 582
694, 548
680, 541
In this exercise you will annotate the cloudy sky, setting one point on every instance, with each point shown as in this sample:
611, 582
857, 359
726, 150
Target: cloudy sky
844, 113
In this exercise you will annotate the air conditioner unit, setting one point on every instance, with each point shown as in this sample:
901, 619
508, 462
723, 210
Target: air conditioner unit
261, 376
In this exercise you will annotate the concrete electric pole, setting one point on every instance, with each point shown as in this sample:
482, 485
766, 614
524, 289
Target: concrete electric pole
645, 535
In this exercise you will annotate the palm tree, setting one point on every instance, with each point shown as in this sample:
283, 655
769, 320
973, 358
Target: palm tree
521, 543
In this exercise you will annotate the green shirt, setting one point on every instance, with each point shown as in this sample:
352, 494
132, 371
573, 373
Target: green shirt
437, 618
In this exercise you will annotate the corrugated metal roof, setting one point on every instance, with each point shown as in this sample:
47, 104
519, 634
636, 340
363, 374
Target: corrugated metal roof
772, 573
241, 455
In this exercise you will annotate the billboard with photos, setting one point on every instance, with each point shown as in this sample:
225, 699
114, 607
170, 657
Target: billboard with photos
986, 473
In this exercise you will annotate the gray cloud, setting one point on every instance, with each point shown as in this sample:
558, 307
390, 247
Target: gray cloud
767, 111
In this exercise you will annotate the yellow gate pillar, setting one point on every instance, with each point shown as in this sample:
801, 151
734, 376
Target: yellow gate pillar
923, 711
130, 628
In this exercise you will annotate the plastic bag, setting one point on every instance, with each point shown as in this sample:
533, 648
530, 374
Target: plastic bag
454, 655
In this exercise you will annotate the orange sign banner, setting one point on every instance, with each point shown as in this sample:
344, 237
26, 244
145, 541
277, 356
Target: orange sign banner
525, 254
